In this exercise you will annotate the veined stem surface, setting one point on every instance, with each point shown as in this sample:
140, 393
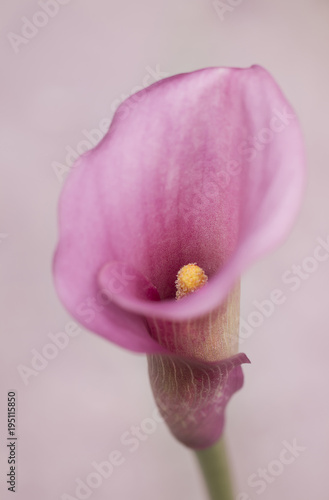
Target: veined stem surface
216, 471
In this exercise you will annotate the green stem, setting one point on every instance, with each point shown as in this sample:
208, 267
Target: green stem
216, 471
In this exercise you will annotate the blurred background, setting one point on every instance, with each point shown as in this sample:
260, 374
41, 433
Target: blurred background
66, 65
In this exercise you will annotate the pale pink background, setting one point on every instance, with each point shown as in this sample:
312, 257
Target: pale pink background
74, 412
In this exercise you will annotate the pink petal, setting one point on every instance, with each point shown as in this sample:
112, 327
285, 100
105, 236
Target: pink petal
156, 194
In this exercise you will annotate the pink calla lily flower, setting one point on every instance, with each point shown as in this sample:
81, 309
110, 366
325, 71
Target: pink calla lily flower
207, 168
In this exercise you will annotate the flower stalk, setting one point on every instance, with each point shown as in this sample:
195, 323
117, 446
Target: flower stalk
216, 471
